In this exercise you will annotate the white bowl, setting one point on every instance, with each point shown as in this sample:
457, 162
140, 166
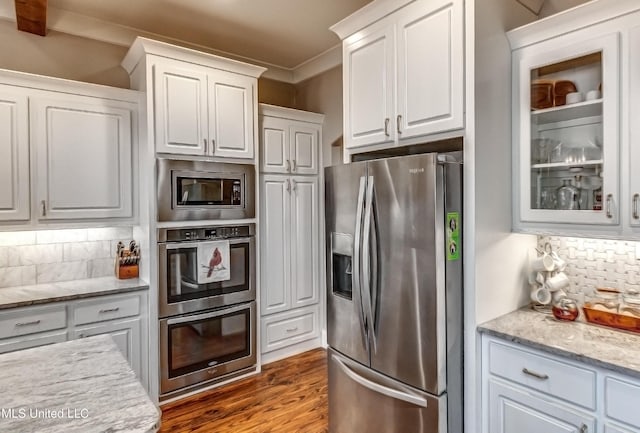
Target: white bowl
574, 97
593, 94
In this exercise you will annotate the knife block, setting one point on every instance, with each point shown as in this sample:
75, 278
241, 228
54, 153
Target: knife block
126, 270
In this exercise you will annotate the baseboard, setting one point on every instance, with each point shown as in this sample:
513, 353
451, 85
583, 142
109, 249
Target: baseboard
288, 351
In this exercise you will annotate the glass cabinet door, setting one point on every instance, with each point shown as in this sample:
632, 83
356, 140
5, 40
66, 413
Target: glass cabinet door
567, 131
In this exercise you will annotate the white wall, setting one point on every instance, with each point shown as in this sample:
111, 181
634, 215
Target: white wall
62, 55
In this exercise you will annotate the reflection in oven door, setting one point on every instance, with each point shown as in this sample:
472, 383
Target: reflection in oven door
200, 347
179, 289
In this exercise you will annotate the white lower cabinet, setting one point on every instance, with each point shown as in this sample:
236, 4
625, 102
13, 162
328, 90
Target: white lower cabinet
529, 391
291, 327
123, 316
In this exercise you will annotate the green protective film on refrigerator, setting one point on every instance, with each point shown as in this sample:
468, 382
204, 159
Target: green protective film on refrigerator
453, 236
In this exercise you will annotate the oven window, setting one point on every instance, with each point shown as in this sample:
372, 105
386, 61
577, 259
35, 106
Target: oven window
205, 343
182, 274
208, 191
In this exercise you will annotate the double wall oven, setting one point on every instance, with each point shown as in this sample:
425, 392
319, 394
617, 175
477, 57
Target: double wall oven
207, 326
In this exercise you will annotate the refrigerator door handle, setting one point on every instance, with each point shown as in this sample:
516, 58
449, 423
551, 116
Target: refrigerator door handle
356, 276
380, 389
366, 257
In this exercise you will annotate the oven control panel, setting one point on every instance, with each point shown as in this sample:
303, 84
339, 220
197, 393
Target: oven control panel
205, 233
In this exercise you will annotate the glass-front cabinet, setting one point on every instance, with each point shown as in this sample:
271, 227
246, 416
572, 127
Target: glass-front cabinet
566, 123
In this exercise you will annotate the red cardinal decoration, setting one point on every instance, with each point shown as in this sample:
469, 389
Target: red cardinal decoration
216, 259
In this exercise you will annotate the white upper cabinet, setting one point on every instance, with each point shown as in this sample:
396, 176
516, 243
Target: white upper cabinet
14, 155
83, 157
180, 109
202, 104
290, 140
368, 80
403, 75
575, 136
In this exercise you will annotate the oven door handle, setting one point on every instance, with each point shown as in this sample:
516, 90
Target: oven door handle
223, 312
194, 244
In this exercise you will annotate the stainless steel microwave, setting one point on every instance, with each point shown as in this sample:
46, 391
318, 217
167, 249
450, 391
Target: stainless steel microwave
202, 190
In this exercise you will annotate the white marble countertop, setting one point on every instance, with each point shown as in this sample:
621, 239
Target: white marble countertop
82, 385
596, 345
21, 296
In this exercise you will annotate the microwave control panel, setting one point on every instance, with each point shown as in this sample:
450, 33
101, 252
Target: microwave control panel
205, 233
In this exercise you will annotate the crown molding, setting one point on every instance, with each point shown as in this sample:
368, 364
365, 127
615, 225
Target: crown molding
91, 28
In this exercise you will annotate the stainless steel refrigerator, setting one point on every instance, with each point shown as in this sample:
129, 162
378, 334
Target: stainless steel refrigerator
394, 295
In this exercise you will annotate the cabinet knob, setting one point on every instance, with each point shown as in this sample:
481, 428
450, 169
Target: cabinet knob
584, 428
608, 208
398, 123
635, 206
386, 127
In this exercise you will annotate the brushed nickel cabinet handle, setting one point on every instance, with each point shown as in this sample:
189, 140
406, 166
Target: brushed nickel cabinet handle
109, 310
288, 186
292, 329
294, 184
33, 322
398, 122
534, 374
44, 208
293, 165
213, 146
288, 163
609, 200
584, 428
635, 206
386, 127
204, 140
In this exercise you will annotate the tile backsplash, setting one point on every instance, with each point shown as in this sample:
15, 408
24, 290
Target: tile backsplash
47, 256
595, 263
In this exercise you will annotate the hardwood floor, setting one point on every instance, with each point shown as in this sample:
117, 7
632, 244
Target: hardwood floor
288, 396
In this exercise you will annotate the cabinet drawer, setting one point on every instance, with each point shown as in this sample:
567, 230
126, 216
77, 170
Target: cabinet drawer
568, 382
106, 309
282, 330
14, 323
621, 400
31, 341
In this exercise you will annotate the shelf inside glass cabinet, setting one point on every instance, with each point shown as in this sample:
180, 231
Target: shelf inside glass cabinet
563, 113
568, 165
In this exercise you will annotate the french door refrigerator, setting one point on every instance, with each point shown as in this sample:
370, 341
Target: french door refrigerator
394, 295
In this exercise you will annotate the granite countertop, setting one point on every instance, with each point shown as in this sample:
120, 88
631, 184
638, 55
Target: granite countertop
22, 296
83, 385
592, 344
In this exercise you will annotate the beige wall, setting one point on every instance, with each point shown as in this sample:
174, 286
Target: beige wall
276, 93
62, 55
323, 94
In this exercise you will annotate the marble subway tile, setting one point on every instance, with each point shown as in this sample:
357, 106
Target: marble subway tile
25, 255
4, 257
109, 233
101, 268
65, 271
86, 250
17, 238
17, 276
61, 236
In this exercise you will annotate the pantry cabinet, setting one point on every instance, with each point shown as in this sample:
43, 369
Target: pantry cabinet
199, 104
68, 151
573, 127
203, 111
393, 93
14, 154
289, 140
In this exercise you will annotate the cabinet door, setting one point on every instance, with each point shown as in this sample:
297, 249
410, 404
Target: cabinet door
634, 125
83, 153
430, 73
127, 336
304, 241
512, 410
304, 148
14, 155
275, 145
274, 243
180, 98
368, 78
567, 153
231, 114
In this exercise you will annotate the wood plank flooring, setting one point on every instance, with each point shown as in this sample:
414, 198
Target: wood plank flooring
288, 396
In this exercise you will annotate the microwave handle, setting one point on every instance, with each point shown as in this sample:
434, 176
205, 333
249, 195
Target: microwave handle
194, 243
223, 312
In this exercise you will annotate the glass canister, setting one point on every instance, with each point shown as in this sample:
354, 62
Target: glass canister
568, 196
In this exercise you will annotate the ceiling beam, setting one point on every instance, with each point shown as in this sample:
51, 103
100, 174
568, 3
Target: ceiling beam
31, 16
